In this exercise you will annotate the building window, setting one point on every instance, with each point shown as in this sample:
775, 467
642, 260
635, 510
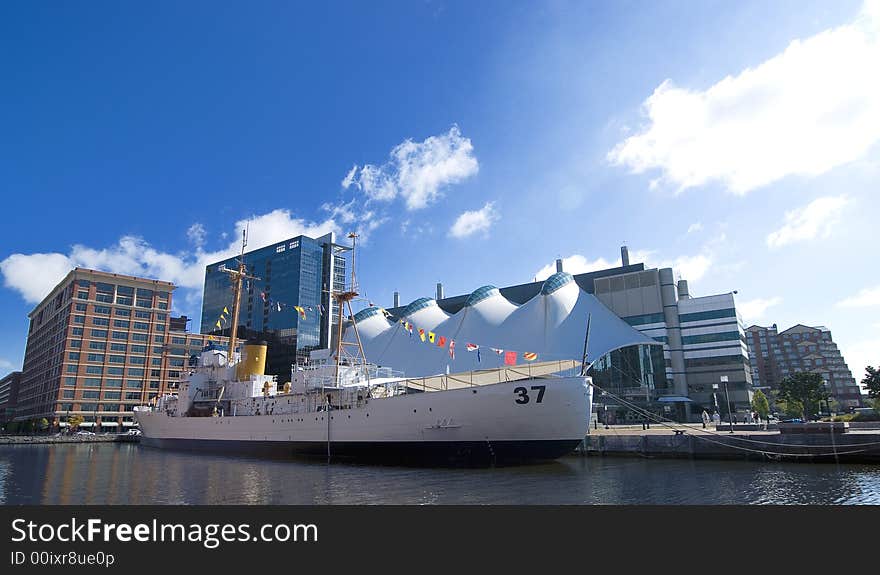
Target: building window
71, 381
117, 359
134, 384
93, 369
142, 314
91, 394
81, 307
79, 319
120, 335
97, 357
112, 394
118, 346
162, 305
82, 295
144, 303
92, 382
117, 383
139, 337
67, 394
136, 371
73, 356
98, 345
99, 333
76, 331
124, 301
123, 312
121, 323
102, 310
141, 325
114, 371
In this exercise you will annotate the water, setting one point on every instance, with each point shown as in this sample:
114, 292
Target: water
130, 474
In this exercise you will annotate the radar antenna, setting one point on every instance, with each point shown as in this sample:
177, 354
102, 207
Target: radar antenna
235, 276
343, 297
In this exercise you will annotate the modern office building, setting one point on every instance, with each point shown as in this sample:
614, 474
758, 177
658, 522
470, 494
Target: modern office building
299, 271
9, 396
99, 344
776, 355
703, 340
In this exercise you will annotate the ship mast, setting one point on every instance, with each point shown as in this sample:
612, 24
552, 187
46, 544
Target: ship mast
343, 298
235, 276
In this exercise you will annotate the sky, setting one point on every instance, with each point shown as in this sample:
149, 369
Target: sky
468, 143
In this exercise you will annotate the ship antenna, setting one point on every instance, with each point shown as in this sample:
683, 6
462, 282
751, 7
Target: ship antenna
236, 276
344, 297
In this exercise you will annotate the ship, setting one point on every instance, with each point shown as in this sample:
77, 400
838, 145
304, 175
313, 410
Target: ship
340, 407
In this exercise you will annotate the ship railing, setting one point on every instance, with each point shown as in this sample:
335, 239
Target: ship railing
475, 378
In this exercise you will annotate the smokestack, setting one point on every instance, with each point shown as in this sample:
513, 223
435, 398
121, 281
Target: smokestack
439, 291
396, 299
558, 265
624, 256
683, 292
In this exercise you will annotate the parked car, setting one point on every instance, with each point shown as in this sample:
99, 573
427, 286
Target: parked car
795, 420
84, 433
134, 432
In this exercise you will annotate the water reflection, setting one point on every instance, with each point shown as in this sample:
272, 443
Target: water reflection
129, 474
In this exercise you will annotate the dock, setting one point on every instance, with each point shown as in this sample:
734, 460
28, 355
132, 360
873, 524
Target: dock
747, 442
38, 439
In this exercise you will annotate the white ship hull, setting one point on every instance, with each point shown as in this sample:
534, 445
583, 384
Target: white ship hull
510, 421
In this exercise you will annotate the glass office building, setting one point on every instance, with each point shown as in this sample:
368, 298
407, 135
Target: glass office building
299, 271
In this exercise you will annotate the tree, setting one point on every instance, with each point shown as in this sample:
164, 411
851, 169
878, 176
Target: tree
805, 388
73, 421
872, 382
760, 404
44, 424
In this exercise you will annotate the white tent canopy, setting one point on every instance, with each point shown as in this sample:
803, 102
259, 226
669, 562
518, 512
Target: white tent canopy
552, 325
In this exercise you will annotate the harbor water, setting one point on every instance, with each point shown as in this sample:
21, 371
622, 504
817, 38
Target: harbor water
124, 474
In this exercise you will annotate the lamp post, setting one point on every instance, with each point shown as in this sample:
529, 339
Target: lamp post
827, 396
727, 396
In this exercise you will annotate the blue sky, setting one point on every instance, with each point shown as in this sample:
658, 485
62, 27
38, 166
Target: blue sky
469, 142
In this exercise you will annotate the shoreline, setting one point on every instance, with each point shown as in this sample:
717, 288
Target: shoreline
38, 439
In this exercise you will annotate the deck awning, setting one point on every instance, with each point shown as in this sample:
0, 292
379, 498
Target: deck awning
674, 399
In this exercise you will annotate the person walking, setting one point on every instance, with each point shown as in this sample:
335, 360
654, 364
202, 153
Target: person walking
705, 419
716, 418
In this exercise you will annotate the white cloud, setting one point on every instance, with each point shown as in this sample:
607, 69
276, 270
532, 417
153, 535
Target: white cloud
348, 180
578, 264
471, 222
417, 171
691, 268
5, 364
197, 234
34, 275
859, 355
805, 111
753, 310
818, 218
695, 227
867, 297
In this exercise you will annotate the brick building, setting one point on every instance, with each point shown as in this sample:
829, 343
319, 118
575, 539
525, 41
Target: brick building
100, 344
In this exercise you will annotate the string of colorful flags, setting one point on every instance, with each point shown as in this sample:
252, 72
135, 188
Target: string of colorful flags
427, 336
280, 305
